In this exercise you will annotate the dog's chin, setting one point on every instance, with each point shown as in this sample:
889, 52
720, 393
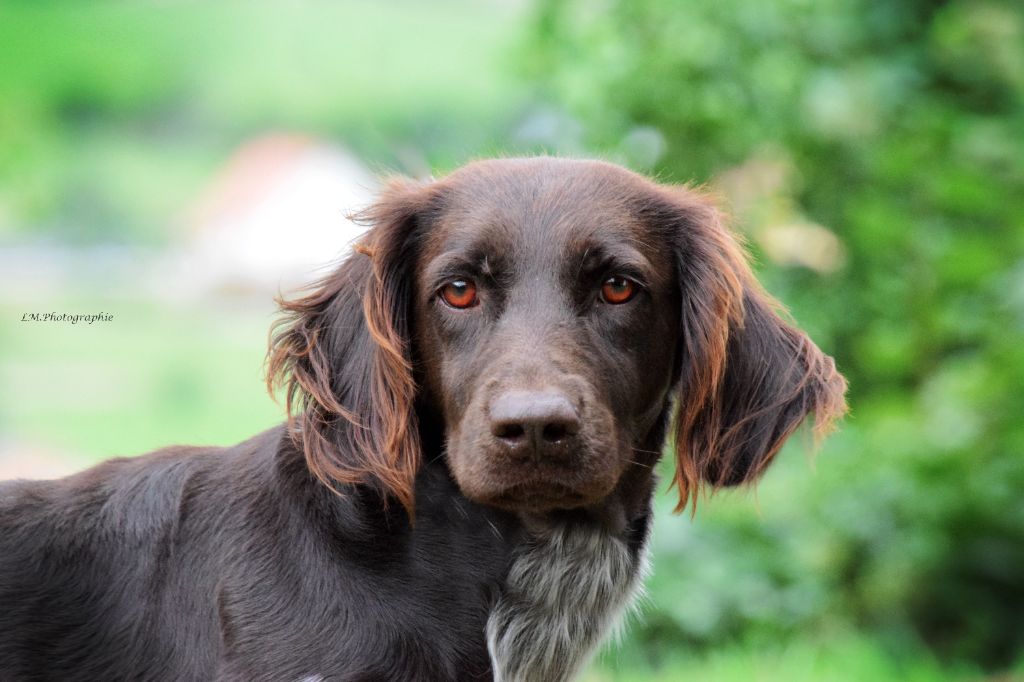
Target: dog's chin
536, 498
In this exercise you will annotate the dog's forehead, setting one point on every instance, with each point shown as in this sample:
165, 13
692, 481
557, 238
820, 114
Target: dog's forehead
540, 207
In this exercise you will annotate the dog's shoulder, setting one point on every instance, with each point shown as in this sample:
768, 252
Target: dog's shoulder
113, 490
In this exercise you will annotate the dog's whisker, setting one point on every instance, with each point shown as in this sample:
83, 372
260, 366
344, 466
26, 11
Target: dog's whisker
497, 533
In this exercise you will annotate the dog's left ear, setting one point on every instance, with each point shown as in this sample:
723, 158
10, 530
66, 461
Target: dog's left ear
747, 378
343, 355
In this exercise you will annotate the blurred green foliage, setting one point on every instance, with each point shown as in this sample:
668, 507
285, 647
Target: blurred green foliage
872, 152
899, 128
113, 113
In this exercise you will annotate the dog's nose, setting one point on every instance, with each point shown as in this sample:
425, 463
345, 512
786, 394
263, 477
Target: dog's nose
534, 423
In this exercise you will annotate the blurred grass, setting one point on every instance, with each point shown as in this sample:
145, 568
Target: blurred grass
813, 658
153, 376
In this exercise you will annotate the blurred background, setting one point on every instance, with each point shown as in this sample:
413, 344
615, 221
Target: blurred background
175, 164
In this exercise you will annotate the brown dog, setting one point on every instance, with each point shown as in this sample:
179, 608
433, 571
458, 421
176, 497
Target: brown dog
479, 396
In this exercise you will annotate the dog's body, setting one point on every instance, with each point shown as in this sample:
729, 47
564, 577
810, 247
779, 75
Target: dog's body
189, 564
236, 564
480, 395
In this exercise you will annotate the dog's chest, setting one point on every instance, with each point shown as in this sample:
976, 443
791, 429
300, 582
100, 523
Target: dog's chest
565, 593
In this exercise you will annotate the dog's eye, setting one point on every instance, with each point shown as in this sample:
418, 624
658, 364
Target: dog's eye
618, 289
459, 293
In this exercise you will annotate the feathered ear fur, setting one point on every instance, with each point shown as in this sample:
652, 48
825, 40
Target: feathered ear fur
342, 355
747, 377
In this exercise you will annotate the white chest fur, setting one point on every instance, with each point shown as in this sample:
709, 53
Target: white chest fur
566, 592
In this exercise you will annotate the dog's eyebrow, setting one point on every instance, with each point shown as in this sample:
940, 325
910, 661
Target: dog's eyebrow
453, 264
621, 257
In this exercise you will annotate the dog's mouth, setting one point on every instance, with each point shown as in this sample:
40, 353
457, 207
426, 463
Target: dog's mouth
538, 496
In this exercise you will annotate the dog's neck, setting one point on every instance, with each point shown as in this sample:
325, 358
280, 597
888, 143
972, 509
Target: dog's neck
574, 577
569, 585
573, 574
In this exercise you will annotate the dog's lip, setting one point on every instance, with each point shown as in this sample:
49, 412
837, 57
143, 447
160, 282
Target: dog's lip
540, 494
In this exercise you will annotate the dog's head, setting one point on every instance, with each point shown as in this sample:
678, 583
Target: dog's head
559, 319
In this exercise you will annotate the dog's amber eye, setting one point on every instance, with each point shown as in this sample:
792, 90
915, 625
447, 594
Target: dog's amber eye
618, 289
459, 293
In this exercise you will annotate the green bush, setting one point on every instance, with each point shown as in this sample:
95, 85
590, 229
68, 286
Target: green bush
872, 151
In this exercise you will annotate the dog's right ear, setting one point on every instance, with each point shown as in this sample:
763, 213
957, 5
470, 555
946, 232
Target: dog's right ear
342, 354
748, 377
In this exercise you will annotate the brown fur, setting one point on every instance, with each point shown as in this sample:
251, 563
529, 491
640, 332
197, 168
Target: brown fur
729, 319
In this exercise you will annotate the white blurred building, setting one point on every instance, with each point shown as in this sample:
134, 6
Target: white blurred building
275, 216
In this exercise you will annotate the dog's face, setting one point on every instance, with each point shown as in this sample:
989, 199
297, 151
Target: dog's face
547, 311
554, 316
